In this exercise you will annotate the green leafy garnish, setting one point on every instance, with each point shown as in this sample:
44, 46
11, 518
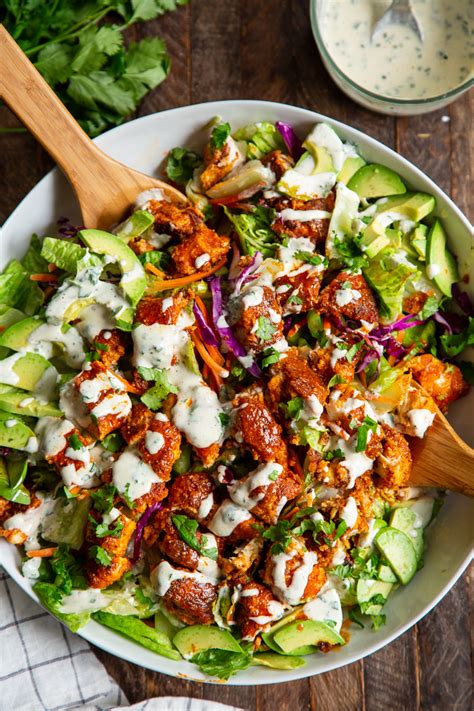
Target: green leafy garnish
113, 442
154, 397
181, 165
430, 307
12, 476
221, 663
270, 356
224, 418
187, 528
219, 135
311, 258
103, 529
67, 572
135, 629
74, 442
254, 230
336, 380
368, 425
104, 497
292, 408
265, 328
100, 555
455, 343
100, 80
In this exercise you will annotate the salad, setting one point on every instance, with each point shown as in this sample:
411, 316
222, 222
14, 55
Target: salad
206, 413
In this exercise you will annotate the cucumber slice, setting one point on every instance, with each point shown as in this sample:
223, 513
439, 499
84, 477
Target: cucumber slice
374, 181
197, 638
398, 549
367, 590
441, 265
408, 521
424, 507
302, 633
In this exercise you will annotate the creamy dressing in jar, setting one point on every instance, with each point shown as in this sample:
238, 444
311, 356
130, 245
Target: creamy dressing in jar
396, 64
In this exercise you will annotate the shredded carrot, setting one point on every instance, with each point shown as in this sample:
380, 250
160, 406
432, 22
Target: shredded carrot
128, 386
212, 350
42, 553
202, 308
206, 356
183, 281
75, 490
52, 267
43, 277
151, 268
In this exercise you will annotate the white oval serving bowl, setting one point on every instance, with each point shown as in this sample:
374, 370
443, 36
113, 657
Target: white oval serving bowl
143, 144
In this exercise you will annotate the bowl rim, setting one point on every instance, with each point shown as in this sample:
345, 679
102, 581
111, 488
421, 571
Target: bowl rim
90, 632
371, 95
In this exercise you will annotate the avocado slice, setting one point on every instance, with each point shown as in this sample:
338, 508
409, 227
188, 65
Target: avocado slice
8, 316
418, 241
408, 521
410, 206
424, 507
441, 265
16, 336
268, 637
351, 166
23, 370
12, 402
197, 638
67, 523
134, 226
133, 280
398, 549
375, 181
368, 589
386, 574
14, 433
306, 632
277, 661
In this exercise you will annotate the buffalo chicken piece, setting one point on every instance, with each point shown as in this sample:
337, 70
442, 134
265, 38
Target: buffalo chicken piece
105, 397
161, 446
218, 162
115, 545
166, 311
187, 594
394, 462
278, 162
110, 346
256, 429
299, 292
256, 317
193, 495
350, 295
199, 247
257, 609
443, 381
289, 221
294, 574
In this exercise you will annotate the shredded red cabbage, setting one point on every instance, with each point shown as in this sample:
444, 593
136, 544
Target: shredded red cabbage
247, 272
150, 511
463, 300
292, 142
369, 356
400, 325
205, 330
66, 228
225, 331
439, 318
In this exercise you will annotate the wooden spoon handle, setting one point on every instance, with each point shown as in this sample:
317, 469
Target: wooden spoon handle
442, 459
26, 92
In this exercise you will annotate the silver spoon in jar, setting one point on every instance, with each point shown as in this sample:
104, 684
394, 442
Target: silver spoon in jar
400, 12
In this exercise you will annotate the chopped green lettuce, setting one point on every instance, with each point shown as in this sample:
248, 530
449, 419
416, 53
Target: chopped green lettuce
137, 630
17, 289
181, 164
261, 138
388, 278
221, 662
12, 476
33, 261
254, 230
63, 254
51, 597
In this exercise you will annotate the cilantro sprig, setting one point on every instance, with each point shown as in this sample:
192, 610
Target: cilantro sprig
89, 66
187, 529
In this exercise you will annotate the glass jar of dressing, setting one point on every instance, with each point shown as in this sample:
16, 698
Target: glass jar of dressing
396, 73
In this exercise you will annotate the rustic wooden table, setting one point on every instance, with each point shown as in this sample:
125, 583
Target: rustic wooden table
263, 49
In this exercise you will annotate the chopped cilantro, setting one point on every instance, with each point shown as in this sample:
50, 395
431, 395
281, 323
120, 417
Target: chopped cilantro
353, 350
310, 258
430, 307
219, 135
292, 408
270, 356
273, 476
154, 397
295, 299
102, 529
265, 328
331, 454
336, 380
113, 442
100, 555
353, 618
187, 529
103, 498
180, 165
224, 418
74, 442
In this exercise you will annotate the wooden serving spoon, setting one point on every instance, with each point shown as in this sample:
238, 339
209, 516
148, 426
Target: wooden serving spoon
105, 188
442, 459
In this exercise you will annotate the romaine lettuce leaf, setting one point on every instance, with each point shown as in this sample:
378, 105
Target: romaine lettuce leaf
33, 261
254, 231
17, 289
261, 138
12, 476
50, 597
137, 630
63, 254
388, 278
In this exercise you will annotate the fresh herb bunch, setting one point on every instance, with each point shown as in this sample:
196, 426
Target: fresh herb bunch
98, 78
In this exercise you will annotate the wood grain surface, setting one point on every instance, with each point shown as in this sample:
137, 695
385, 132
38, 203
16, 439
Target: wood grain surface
263, 49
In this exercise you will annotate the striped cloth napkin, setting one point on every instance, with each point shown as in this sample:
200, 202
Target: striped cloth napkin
44, 667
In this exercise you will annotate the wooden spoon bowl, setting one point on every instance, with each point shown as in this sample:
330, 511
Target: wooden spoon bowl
105, 188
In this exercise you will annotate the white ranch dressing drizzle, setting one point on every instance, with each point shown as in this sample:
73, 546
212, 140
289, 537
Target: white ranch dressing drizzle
206, 506
43, 339
303, 215
7, 374
349, 513
227, 517
164, 575
325, 606
118, 404
396, 63
78, 601
132, 476
421, 419
154, 441
240, 492
31, 521
293, 593
343, 297
94, 319
356, 463
275, 612
155, 346
51, 433
250, 592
